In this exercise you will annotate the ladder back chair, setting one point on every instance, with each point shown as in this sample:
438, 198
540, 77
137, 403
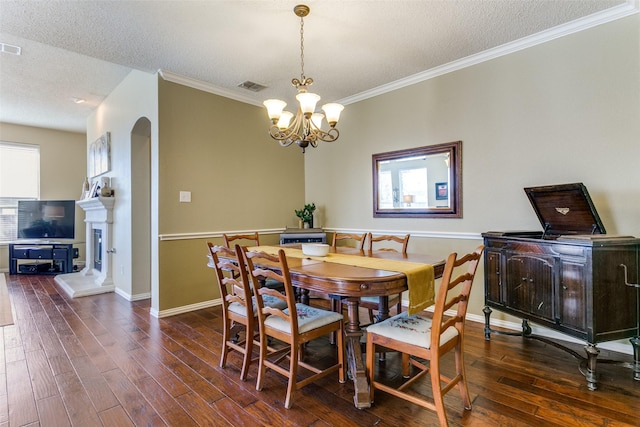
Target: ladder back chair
358, 238
238, 305
419, 338
293, 326
253, 239
373, 303
386, 238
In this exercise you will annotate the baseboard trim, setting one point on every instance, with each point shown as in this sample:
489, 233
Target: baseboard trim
185, 308
129, 297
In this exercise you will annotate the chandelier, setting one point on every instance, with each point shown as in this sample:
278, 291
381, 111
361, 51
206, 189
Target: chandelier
306, 127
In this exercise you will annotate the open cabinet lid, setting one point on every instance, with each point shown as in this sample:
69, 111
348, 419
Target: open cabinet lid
565, 209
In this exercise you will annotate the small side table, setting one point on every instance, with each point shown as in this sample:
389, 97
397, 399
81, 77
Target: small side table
303, 235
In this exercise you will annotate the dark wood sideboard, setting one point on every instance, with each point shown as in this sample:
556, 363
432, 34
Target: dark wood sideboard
572, 277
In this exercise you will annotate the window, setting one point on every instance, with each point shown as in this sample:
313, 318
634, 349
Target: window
413, 184
19, 180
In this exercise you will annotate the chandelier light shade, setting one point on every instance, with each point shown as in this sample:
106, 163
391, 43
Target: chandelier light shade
306, 127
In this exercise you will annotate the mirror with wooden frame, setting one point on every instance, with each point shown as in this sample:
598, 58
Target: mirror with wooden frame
424, 182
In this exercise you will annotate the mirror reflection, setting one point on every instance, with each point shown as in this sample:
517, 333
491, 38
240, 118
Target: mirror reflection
418, 182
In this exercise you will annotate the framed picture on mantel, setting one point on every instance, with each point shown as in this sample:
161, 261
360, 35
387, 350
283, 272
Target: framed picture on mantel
100, 155
93, 192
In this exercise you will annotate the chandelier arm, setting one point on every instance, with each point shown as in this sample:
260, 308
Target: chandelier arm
282, 135
278, 135
286, 142
329, 136
292, 132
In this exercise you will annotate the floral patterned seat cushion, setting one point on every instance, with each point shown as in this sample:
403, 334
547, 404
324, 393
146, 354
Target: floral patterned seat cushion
415, 329
269, 301
309, 318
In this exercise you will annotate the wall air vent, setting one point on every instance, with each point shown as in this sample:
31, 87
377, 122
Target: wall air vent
253, 87
9, 48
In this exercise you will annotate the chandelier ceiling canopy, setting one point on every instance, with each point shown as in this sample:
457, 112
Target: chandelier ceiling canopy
306, 128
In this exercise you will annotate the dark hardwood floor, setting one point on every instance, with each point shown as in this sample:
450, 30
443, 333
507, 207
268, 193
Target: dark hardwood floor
102, 360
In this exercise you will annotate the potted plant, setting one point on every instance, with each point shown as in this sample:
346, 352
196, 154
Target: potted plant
306, 215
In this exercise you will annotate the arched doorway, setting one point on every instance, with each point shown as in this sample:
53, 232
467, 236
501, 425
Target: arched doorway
141, 208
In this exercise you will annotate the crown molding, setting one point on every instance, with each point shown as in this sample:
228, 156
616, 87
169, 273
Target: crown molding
621, 11
206, 87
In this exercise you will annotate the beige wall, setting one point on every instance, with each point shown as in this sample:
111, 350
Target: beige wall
565, 111
62, 170
239, 179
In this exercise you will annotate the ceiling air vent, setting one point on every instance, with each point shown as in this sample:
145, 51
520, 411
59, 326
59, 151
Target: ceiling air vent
253, 87
9, 48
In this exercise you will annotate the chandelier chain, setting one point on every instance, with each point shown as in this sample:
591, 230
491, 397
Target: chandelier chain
302, 77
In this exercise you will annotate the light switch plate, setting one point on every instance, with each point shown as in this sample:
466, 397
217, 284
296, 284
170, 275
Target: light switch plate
185, 197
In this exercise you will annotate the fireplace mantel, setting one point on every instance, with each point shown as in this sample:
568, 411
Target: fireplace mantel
98, 209
94, 279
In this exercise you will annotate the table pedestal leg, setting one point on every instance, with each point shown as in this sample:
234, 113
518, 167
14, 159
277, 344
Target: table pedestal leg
304, 296
383, 309
356, 366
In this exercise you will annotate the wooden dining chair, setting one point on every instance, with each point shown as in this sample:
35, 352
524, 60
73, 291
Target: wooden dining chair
252, 239
419, 338
385, 239
359, 239
238, 305
382, 243
293, 326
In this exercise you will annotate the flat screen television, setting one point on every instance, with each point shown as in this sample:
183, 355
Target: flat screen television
46, 219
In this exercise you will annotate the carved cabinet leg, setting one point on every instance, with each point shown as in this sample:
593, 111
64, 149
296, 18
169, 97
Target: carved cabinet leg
635, 342
526, 328
487, 327
590, 372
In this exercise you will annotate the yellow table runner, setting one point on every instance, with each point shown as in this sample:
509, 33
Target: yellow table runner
420, 277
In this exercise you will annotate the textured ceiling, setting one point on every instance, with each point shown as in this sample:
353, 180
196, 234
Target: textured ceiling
84, 49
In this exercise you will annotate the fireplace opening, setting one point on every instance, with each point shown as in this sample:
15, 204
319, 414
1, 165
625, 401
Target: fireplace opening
97, 249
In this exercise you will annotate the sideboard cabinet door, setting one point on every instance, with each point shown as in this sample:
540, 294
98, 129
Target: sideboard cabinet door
493, 276
573, 298
529, 284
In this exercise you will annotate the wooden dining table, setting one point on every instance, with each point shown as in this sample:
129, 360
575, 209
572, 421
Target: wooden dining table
351, 283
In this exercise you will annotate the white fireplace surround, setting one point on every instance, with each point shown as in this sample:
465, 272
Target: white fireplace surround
89, 281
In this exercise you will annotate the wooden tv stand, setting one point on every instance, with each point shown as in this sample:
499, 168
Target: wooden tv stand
41, 258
